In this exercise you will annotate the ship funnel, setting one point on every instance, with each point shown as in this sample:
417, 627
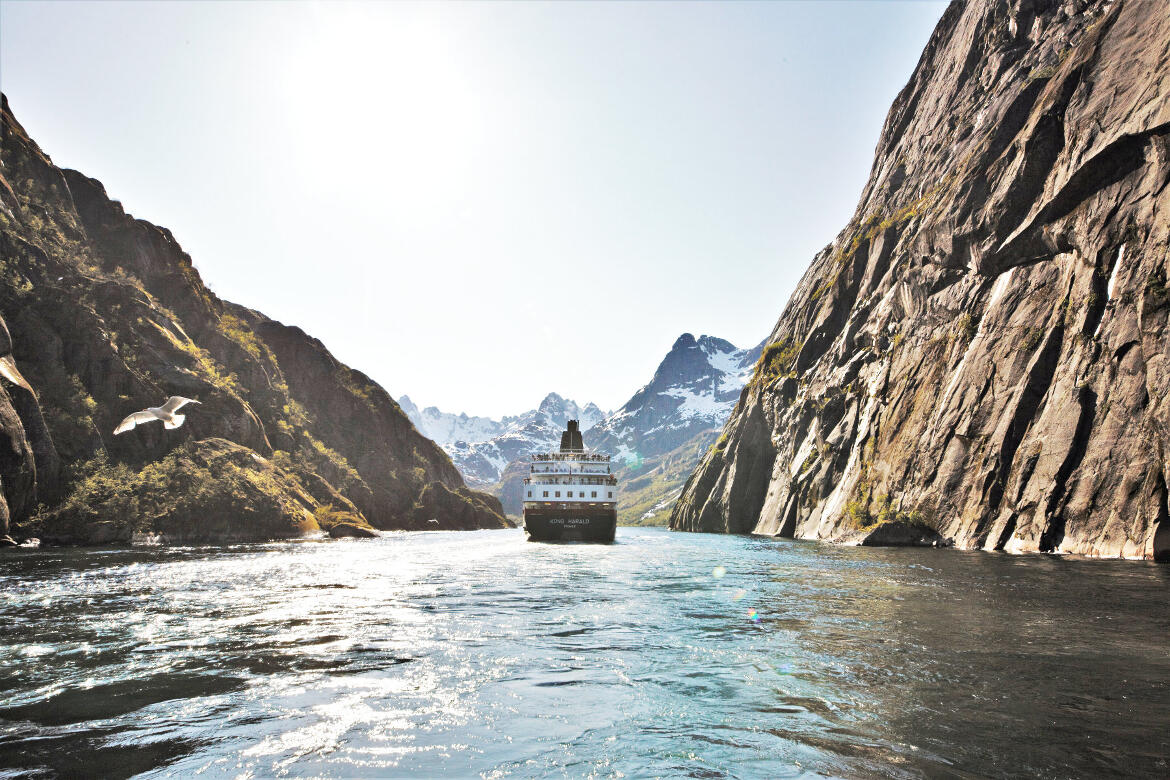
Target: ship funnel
571, 440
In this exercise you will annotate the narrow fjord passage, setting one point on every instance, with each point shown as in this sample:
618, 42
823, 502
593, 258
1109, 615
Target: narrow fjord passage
664, 654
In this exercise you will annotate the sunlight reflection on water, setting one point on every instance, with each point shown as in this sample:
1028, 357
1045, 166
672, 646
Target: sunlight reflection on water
665, 654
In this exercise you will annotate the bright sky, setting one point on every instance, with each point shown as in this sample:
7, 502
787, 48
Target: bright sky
478, 204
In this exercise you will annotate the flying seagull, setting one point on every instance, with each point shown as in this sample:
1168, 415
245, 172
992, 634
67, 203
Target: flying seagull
166, 413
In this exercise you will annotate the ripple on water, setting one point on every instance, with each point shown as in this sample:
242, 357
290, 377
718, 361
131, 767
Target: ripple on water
663, 654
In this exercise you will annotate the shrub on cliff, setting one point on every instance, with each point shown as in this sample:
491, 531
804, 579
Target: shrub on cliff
208, 490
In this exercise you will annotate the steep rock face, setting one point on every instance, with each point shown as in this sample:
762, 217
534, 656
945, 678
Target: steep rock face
107, 316
984, 349
17, 465
510, 488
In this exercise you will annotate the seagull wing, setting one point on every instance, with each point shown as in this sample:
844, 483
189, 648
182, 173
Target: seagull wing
177, 402
134, 419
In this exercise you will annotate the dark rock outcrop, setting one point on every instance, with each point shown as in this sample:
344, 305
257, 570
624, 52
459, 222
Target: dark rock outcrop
352, 531
107, 315
985, 346
442, 507
899, 533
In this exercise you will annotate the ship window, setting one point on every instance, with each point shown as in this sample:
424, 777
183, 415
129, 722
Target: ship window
530, 494
546, 494
594, 494
558, 494
611, 494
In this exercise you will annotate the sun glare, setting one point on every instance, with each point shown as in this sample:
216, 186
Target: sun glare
395, 99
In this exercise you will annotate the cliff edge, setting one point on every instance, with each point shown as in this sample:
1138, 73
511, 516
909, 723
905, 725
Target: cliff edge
104, 314
982, 356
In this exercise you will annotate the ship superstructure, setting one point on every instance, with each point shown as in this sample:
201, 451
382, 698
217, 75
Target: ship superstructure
571, 494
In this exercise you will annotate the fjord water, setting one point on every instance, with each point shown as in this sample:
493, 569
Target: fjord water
666, 654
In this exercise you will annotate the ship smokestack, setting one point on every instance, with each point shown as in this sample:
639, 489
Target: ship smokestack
571, 440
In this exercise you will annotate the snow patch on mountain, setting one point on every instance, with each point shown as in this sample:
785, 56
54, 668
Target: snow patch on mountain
694, 389
655, 439
446, 428
481, 448
698, 404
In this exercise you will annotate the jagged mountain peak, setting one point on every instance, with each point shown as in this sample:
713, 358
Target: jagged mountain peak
660, 433
481, 447
693, 389
697, 363
555, 406
711, 344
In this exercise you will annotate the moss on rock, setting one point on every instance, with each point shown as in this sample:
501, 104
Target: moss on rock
211, 490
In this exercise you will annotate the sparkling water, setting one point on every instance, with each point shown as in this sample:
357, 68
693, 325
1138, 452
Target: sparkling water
665, 654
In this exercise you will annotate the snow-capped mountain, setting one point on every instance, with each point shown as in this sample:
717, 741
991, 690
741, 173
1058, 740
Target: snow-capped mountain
446, 428
658, 437
693, 390
481, 448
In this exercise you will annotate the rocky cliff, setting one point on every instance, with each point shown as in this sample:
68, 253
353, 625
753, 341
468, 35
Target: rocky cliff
105, 314
983, 352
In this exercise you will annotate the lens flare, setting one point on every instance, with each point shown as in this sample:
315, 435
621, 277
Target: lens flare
753, 616
718, 572
739, 594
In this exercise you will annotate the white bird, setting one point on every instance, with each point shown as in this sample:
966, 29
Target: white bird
166, 413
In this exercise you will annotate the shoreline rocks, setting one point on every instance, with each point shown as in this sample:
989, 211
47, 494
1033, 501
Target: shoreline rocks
352, 531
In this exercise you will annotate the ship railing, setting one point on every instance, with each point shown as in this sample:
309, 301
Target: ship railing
577, 456
577, 481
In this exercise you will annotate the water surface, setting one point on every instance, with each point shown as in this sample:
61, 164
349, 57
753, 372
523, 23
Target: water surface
677, 655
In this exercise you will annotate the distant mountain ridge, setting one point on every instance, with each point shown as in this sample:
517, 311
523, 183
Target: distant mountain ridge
481, 448
656, 438
445, 428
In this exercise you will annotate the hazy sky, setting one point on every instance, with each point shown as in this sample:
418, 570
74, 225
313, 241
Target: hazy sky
479, 203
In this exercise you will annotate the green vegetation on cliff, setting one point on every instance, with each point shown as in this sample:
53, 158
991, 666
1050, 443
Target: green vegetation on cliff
108, 316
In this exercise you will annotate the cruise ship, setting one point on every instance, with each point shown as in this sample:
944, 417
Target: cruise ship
570, 495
